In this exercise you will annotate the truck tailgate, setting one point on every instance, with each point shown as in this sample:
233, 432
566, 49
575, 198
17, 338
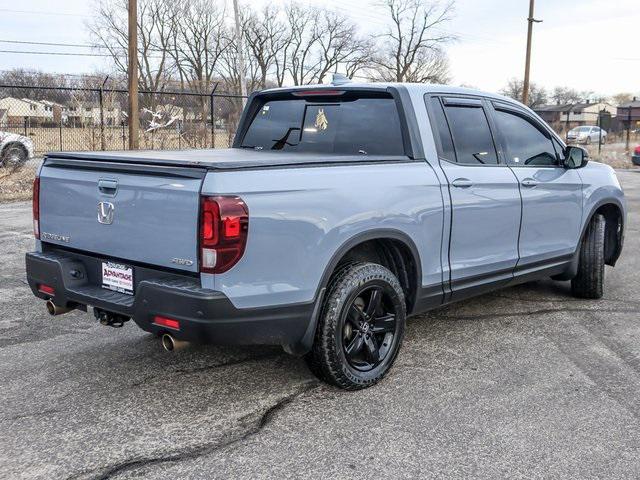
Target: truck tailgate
144, 214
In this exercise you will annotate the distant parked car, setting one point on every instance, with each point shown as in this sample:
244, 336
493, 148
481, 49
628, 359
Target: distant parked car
15, 150
586, 134
635, 158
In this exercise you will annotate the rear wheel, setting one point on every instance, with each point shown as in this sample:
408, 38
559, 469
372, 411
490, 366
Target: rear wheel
589, 282
360, 329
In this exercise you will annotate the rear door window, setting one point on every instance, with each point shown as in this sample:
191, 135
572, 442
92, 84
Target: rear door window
471, 135
350, 126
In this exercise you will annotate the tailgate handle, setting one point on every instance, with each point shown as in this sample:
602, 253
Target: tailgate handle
108, 187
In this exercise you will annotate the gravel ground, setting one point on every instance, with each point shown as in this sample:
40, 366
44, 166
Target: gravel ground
525, 382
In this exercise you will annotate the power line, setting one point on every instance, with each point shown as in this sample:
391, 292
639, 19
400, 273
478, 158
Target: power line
66, 54
53, 44
42, 12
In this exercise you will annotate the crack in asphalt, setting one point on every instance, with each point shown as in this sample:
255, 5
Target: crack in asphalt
204, 368
535, 312
252, 428
555, 300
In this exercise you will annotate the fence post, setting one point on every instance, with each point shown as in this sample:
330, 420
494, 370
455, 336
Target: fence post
25, 125
60, 132
213, 117
599, 132
103, 142
124, 137
628, 128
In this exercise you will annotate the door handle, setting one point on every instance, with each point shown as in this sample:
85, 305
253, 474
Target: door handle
462, 183
108, 187
529, 182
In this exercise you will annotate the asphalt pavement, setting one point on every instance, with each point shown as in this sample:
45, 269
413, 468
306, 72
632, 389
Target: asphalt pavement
524, 382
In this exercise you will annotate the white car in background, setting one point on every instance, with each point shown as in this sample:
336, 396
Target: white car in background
15, 150
586, 134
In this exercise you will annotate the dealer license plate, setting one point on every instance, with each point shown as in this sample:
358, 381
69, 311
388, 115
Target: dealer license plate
117, 277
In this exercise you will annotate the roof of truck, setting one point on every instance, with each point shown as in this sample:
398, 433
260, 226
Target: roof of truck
420, 88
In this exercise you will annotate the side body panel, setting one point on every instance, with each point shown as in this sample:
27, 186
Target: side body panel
300, 217
485, 225
551, 213
600, 186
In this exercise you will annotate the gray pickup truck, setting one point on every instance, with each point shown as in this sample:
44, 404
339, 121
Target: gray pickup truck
340, 210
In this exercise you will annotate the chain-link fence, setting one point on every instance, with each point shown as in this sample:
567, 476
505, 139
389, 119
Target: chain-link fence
74, 119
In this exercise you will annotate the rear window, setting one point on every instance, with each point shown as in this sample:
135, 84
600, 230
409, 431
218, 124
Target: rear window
349, 126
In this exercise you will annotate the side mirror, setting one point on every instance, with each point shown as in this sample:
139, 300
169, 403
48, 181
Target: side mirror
575, 157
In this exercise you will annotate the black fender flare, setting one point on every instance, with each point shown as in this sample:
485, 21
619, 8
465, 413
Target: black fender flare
594, 208
306, 341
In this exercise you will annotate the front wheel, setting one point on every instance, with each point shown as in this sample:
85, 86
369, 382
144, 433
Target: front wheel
361, 327
589, 282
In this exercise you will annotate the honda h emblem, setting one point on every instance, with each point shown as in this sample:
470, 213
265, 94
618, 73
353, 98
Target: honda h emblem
105, 213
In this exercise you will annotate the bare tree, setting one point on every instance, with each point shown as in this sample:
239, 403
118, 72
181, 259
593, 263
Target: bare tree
412, 49
565, 95
620, 98
304, 36
266, 36
537, 94
340, 45
199, 38
109, 32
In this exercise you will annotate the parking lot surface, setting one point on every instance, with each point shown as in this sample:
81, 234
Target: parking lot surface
524, 382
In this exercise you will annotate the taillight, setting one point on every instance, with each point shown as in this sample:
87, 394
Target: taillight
637, 150
36, 207
224, 224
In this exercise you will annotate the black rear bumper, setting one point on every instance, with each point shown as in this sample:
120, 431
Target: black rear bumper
205, 316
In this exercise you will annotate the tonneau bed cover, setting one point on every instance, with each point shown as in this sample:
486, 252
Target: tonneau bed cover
222, 159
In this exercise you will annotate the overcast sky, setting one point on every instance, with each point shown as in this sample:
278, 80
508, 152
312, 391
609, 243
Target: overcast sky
588, 45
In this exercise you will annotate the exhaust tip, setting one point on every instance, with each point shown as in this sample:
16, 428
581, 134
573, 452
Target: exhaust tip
168, 342
54, 309
51, 308
171, 344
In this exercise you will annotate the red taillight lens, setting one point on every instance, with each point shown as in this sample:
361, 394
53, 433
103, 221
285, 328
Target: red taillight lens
46, 289
36, 207
637, 150
224, 224
166, 322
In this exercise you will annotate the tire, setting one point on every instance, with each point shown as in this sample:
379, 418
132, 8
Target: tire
588, 141
14, 156
359, 332
589, 282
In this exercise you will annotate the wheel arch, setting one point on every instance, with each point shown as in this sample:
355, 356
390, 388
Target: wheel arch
395, 239
613, 212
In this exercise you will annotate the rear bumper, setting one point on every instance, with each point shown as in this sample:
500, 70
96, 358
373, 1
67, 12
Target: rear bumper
635, 159
205, 316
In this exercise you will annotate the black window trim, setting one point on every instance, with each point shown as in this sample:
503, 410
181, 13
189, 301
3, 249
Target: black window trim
411, 140
462, 100
513, 110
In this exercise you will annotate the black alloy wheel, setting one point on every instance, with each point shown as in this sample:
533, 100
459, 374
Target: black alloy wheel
369, 328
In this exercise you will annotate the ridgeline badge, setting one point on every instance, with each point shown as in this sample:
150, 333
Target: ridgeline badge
321, 120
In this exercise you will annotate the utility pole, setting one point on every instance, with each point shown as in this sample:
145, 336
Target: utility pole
134, 121
527, 65
240, 45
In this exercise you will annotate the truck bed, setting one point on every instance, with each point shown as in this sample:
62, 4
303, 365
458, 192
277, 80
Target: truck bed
223, 159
